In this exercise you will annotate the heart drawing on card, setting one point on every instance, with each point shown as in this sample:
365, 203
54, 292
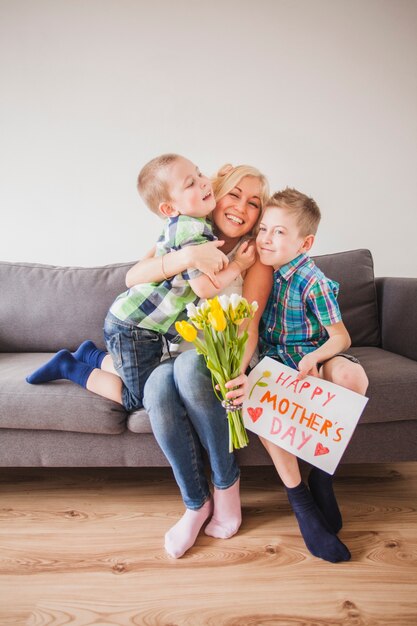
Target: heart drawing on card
321, 450
255, 414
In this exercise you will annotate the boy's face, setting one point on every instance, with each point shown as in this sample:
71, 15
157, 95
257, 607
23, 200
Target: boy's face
191, 193
279, 240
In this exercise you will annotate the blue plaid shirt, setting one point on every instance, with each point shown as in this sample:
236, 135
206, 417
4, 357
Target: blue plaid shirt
301, 303
157, 306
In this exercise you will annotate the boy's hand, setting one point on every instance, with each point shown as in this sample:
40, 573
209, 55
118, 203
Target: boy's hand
308, 366
238, 389
209, 259
245, 255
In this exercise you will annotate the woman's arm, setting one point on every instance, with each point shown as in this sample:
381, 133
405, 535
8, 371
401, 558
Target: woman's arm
205, 257
137, 269
256, 286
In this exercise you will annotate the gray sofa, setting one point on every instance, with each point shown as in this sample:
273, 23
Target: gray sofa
45, 308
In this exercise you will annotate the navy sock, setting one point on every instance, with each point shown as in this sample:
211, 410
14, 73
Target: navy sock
318, 537
89, 353
62, 365
321, 487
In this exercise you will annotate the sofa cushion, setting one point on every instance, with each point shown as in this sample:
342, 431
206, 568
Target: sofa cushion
44, 308
138, 422
392, 388
59, 405
354, 271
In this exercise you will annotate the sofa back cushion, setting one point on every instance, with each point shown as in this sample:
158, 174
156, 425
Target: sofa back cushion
44, 308
354, 270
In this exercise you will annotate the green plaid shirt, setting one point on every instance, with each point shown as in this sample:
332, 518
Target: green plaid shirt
157, 306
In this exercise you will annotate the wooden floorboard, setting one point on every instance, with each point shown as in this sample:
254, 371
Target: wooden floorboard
85, 546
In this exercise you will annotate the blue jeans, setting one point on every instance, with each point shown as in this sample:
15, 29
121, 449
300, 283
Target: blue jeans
187, 419
136, 352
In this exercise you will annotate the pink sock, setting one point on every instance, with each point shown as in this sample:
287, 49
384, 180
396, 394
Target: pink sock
227, 515
181, 537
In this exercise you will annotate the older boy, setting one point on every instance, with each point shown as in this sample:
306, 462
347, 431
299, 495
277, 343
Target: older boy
303, 328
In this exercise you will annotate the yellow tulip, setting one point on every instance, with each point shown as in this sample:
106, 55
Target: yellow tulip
186, 330
215, 305
217, 320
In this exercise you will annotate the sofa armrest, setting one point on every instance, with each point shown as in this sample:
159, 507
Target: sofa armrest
397, 304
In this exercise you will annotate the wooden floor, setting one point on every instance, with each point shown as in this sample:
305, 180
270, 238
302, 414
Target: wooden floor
85, 547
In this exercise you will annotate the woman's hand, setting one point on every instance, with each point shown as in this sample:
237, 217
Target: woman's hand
208, 259
238, 389
245, 255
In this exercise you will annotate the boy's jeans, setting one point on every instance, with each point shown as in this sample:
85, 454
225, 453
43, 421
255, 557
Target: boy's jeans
136, 352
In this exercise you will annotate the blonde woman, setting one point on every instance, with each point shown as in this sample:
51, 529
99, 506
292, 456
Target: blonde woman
187, 419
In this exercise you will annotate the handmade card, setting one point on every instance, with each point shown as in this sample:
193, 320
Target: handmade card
312, 418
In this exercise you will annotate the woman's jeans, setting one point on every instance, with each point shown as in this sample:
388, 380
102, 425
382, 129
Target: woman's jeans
186, 417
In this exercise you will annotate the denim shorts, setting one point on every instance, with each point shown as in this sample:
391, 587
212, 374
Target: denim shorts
136, 352
349, 357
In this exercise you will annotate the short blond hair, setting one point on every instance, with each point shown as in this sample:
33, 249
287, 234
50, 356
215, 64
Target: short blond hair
304, 208
229, 176
152, 183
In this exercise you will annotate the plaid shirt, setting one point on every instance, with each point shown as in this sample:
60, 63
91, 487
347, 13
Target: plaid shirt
301, 303
157, 306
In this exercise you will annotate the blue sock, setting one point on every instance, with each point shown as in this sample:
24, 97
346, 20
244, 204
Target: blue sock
62, 366
321, 487
89, 353
318, 537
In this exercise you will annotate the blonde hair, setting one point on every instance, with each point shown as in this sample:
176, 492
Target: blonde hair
304, 208
229, 176
152, 184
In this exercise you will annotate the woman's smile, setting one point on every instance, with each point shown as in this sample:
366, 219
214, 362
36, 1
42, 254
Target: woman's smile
234, 219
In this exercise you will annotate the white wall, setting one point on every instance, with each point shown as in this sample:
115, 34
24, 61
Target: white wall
319, 94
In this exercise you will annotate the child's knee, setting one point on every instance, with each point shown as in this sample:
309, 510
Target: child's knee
351, 376
362, 380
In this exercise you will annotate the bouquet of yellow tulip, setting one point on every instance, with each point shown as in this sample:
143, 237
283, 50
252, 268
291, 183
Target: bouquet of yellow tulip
223, 347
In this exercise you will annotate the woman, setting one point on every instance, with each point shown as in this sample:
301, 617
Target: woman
185, 414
